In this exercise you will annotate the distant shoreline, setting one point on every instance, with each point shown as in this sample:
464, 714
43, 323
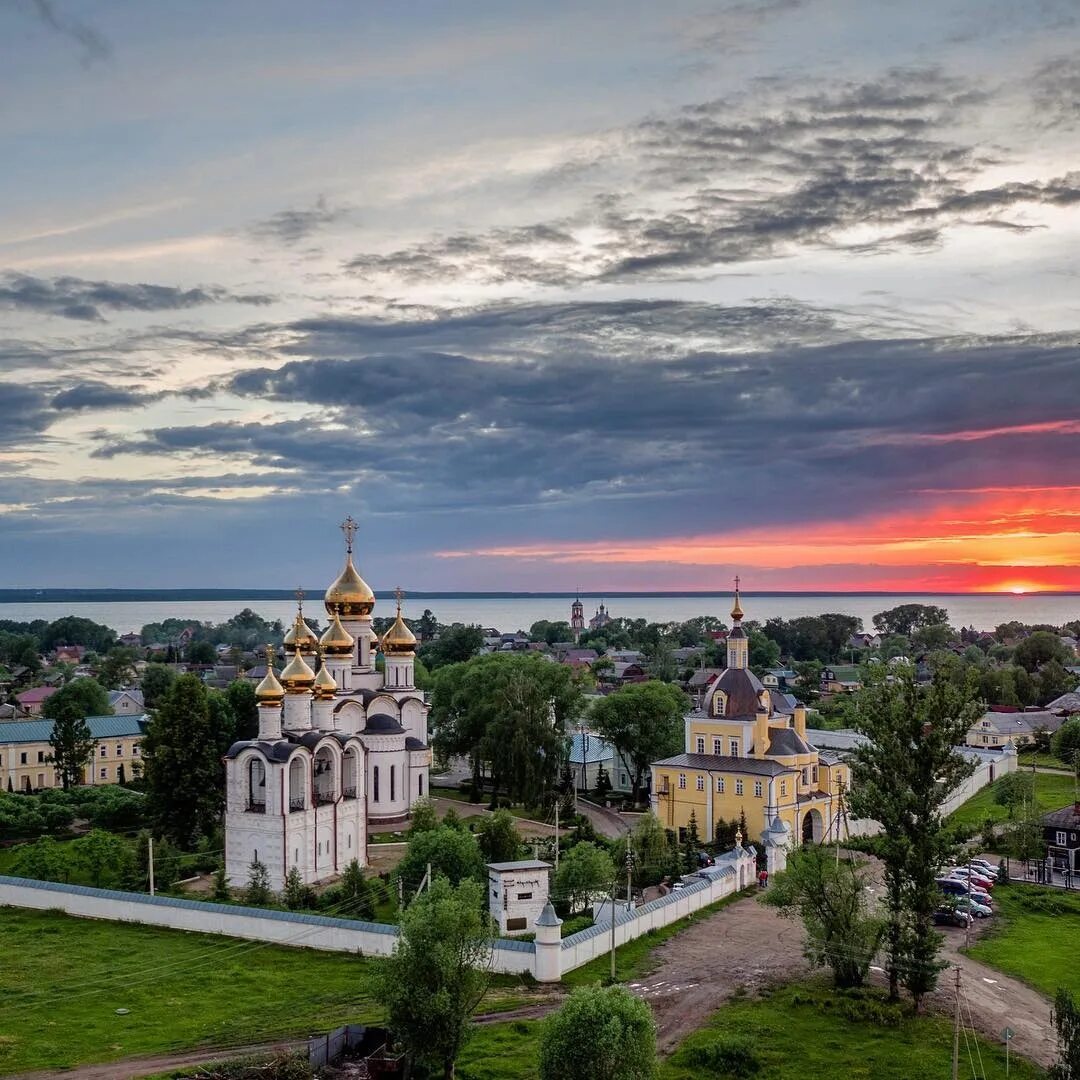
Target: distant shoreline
119, 596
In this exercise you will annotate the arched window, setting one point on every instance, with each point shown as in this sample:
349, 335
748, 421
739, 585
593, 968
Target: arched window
256, 793
375, 784
349, 774
393, 782
420, 784
324, 776
297, 796
719, 703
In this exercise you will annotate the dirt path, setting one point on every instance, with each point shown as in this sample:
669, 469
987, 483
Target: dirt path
998, 1001
744, 946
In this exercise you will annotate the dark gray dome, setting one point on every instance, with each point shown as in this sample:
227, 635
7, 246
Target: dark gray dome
381, 724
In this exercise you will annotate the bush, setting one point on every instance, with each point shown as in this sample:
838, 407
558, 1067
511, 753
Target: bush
576, 925
727, 1055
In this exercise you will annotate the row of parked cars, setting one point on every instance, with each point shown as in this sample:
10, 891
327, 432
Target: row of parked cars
966, 890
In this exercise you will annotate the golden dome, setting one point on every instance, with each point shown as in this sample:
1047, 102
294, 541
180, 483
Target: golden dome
301, 636
336, 640
325, 686
399, 639
350, 596
736, 610
297, 677
270, 691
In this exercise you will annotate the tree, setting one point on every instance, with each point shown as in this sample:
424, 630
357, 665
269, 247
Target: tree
901, 776
907, 618
118, 667
1039, 648
245, 709
1066, 1015
498, 837
644, 723
1024, 834
427, 626
509, 712
258, 893
691, 844
830, 899
932, 637
1065, 744
584, 871
438, 974
103, 855
181, 759
450, 852
356, 891
296, 894
454, 645
201, 652
1013, 790
600, 1033
221, 884
73, 630
423, 816
764, 652
1052, 681
71, 742
155, 683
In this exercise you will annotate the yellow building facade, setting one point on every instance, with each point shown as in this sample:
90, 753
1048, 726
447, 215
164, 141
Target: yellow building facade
25, 749
747, 754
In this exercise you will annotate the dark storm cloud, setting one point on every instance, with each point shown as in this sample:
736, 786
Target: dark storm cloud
95, 395
610, 407
24, 411
730, 181
77, 298
293, 225
91, 44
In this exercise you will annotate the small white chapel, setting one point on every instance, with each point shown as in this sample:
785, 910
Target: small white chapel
340, 744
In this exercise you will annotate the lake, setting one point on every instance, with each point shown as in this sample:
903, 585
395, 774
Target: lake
507, 613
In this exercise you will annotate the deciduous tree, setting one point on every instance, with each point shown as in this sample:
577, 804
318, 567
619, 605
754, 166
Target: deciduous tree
600, 1033
907, 618
644, 722
584, 871
438, 974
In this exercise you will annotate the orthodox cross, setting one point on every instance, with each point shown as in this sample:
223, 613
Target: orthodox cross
299, 594
736, 582
270, 657
349, 527
400, 595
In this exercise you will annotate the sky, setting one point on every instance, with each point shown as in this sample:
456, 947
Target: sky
594, 294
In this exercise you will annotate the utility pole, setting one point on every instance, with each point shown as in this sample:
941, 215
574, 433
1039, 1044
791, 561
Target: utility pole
629, 871
613, 932
956, 1031
150, 860
557, 801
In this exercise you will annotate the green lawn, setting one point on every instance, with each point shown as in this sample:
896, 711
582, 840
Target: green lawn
1051, 793
1035, 936
64, 978
808, 1031
1026, 757
635, 958
795, 1032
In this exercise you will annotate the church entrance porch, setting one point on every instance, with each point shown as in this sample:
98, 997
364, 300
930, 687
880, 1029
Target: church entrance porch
813, 827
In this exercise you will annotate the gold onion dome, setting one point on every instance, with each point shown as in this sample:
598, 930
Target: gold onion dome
336, 640
301, 636
350, 596
736, 610
269, 691
325, 686
399, 639
297, 677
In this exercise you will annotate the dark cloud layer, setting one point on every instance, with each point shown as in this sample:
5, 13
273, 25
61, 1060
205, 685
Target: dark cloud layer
292, 226
76, 298
435, 415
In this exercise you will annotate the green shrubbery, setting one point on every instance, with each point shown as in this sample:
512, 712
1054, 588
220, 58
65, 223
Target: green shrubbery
55, 810
726, 1055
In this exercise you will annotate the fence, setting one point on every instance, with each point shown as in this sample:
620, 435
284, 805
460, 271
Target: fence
326, 1049
545, 961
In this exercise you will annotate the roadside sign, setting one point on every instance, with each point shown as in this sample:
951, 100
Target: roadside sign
1007, 1034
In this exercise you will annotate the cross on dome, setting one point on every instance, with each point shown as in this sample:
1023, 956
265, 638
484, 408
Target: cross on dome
349, 528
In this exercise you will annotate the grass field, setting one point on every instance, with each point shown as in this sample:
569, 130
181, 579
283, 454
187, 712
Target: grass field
64, 978
1026, 757
1051, 793
794, 1033
1035, 936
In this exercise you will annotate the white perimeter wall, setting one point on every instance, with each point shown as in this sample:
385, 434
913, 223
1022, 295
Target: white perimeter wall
361, 938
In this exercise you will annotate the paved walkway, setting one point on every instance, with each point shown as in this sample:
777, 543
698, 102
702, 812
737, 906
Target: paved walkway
606, 822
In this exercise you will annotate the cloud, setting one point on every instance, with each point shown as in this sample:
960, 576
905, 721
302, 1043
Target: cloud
84, 301
91, 44
23, 412
1056, 93
858, 166
96, 395
294, 225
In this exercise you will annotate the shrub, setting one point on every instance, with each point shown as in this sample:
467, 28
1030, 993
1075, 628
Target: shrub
726, 1055
576, 925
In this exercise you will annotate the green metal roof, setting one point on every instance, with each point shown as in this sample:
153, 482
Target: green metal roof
101, 727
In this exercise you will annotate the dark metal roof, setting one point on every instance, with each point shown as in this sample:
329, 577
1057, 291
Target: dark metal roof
412, 743
742, 688
718, 763
784, 741
279, 750
381, 724
1067, 817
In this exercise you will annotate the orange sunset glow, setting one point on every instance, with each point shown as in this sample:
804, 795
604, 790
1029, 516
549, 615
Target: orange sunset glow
1006, 541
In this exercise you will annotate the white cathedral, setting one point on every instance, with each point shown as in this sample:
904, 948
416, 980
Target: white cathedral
338, 747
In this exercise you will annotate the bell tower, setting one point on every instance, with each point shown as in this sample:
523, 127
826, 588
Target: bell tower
577, 617
738, 647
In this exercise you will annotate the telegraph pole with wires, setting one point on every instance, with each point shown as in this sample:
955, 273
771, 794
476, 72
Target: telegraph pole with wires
841, 816
956, 1031
629, 874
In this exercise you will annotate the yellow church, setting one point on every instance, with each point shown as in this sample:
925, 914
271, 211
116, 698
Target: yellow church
746, 753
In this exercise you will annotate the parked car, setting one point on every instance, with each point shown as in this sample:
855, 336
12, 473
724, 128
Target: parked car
953, 886
951, 917
990, 869
973, 907
705, 859
973, 876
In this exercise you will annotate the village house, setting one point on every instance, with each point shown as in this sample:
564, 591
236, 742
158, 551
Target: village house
840, 680
1003, 727
127, 702
747, 753
32, 701
1061, 832
589, 754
